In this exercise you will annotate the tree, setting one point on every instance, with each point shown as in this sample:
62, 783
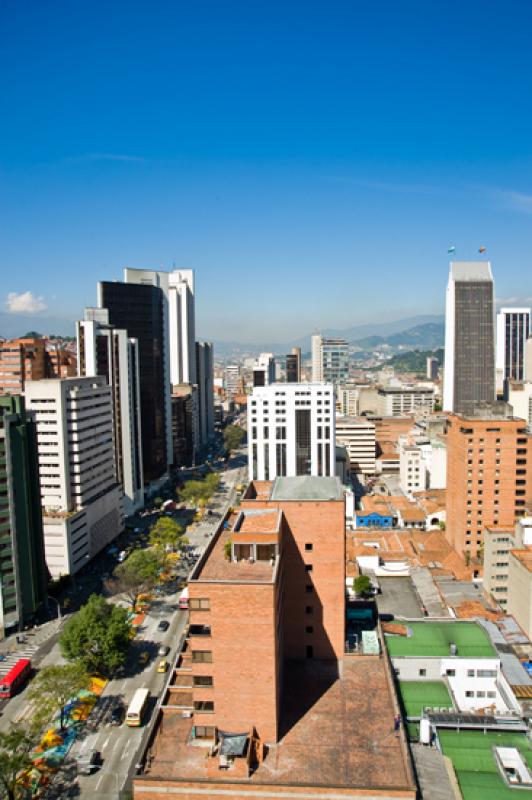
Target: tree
199, 492
16, 745
98, 636
361, 584
137, 574
54, 686
167, 534
233, 436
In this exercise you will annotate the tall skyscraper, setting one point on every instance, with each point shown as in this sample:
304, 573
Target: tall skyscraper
22, 564
205, 382
469, 372
513, 329
103, 350
330, 360
293, 366
139, 309
80, 495
264, 370
291, 431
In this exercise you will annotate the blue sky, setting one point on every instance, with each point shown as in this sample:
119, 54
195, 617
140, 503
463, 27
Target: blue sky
311, 161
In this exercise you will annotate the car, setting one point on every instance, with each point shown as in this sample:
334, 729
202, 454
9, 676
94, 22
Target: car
163, 650
144, 657
117, 715
163, 625
162, 665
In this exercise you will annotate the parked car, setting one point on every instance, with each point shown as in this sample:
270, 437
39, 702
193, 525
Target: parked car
163, 625
163, 665
163, 650
117, 715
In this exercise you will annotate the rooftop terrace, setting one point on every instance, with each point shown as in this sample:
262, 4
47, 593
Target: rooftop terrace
215, 566
417, 695
337, 732
307, 487
435, 639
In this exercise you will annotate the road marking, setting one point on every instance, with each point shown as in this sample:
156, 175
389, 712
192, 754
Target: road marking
104, 745
100, 779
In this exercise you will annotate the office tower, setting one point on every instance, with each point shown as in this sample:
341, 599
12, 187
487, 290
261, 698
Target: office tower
357, 434
233, 383
398, 401
80, 496
265, 671
469, 370
291, 431
489, 475
264, 370
22, 564
513, 330
293, 366
433, 366
330, 360
185, 418
205, 383
139, 310
21, 360
528, 359
103, 350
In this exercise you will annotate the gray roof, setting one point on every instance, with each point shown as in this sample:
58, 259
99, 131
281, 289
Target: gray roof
307, 487
471, 271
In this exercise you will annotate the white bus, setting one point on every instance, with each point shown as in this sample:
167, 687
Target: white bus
137, 707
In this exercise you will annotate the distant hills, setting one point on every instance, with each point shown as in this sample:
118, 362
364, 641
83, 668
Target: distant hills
421, 332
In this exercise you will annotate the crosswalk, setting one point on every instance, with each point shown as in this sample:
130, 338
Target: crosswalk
12, 658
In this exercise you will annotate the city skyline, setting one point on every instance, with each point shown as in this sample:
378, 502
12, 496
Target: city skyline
374, 140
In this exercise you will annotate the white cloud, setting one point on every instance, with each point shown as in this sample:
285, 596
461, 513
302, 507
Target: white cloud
24, 303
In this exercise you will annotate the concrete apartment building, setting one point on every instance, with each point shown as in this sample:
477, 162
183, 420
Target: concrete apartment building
80, 495
291, 430
514, 326
103, 350
265, 677
330, 360
489, 475
357, 434
498, 542
422, 464
232, 381
264, 370
398, 401
32, 359
469, 374
22, 566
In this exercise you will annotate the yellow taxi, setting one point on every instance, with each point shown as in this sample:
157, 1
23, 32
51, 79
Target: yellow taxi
162, 665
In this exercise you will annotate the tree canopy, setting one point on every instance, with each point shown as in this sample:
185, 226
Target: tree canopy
199, 492
361, 584
167, 534
16, 745
54, 686
138, 573
98, 636
233, 437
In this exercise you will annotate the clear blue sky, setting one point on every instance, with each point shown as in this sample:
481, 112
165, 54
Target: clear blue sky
312, 161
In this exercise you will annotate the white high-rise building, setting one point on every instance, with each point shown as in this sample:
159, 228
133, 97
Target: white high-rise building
232, 380
291, 430
357, 434
469, 372
108, 351
264, 370
80, 494
513, 329
330, 360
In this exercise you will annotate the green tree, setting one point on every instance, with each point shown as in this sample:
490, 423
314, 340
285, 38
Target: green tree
54, 686
199, 492
16, 745
233, 437
137, 574
167, 534
98, 636
361, 584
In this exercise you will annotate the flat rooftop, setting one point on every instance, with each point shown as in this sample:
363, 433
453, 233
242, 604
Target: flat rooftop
214, 566
417, 695
338, 733
307, 487
524, 555
474, 763
435, 639
258, 521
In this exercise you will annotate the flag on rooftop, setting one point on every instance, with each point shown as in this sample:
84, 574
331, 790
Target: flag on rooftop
481, 249
451, 249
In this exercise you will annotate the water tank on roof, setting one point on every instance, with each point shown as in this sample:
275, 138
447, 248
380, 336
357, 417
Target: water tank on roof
424, 731
453, 649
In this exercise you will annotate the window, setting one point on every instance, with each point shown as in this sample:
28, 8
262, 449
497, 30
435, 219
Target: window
308, 567
199, 604
481, 694
487, 673
470, 694
491, 694
450, 672
422, 673
204, 705
202, 680
308, 588
204, 732
309, 609
309, 629
308, 546
202, 656
470, 673
309, 651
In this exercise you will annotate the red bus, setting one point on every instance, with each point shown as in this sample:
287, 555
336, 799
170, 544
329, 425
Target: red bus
15, 678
